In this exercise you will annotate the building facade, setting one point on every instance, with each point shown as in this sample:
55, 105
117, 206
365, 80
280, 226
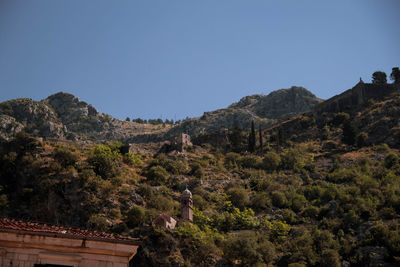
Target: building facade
28, 244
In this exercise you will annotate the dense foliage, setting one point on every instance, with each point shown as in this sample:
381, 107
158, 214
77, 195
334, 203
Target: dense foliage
319, 190
301, 205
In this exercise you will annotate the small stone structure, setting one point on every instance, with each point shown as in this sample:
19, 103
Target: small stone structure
181, 141
127, 148
165, 220
34, 244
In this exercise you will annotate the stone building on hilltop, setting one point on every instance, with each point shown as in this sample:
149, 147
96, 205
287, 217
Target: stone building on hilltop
165, 220
181, 142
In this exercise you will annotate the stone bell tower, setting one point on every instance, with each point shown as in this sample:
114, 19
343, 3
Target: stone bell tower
187, 206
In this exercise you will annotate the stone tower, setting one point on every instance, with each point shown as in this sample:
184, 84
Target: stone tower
187, 206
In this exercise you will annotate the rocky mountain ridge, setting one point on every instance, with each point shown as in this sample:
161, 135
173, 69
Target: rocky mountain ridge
264, 110
372, 109
64, 116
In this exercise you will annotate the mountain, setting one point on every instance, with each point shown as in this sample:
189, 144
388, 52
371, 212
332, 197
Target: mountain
264, 110
372, 109
64, 116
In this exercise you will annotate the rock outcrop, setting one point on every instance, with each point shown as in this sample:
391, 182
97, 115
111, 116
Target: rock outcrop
264, 110
9, 127
31, 116
64, 116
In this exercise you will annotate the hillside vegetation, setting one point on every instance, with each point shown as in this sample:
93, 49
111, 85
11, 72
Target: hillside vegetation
317, 189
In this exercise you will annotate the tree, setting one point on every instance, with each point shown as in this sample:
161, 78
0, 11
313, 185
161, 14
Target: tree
395, 75
103, 160
379, 77
349, 133
238, 196
261, 139
271, 161
128, 119
135, 216
237, 138
252, 138
65, 157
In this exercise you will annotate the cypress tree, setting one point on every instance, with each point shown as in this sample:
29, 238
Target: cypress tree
252, 138
349, 132
261, 139
236, 138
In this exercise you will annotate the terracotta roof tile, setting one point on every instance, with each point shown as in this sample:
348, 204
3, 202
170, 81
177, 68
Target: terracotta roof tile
43, 228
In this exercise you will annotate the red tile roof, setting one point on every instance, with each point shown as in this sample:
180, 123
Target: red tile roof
7, 224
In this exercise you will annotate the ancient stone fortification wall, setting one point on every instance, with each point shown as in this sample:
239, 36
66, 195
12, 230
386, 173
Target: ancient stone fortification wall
357, 96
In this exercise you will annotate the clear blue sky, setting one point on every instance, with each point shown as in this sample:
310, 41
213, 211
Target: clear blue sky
167, 58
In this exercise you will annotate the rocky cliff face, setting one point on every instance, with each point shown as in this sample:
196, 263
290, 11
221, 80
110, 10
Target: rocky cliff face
64, 116
79, 117
32, 116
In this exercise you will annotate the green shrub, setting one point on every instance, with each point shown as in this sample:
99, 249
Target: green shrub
361, 139
172, 166
271, 161
65, 156
314, 192
276, 228
297, 264
196, 170
199, 202
290, 160
238, 196
103, 160
339, 118
145, 190
298, 202
311, 212
250, 161
157, 175
135, 216
231, 160
392, 159
261, 201
342, 176
253, 174
99, 222
279, 199
115, 146
132, 160
289, 216
161, 203
247, 248
330, 257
